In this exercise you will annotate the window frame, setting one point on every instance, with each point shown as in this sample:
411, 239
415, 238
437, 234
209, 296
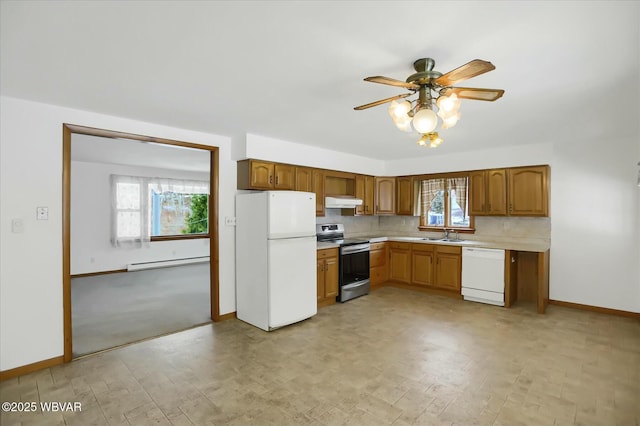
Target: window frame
158, 238
146, 184
447, 204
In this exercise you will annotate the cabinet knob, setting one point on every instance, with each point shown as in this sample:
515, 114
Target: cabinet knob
271, 179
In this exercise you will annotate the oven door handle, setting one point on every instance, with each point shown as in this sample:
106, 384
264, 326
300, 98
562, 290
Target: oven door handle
355, 285
355, 249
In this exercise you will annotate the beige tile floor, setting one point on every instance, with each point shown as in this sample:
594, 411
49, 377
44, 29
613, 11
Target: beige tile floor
392, 357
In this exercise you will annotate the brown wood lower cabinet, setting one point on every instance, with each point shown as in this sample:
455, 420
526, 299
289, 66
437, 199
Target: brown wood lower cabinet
328, 276
378, 266
433, 266
448, 270
400, 262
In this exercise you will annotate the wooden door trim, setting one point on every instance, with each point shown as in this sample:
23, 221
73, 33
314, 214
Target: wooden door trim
214, 272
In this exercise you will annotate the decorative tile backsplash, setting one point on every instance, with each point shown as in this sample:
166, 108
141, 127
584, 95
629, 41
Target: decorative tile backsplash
533, 229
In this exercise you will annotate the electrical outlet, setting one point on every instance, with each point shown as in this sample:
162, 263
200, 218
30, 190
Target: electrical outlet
230, 221
42, 213
17, 226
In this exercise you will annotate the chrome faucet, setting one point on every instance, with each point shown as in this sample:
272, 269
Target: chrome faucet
446, 233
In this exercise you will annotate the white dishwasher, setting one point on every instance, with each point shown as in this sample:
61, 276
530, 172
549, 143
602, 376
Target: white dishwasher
483, 275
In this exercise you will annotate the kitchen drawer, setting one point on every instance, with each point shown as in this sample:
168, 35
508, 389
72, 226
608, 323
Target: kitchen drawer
422, 247
449, 249
324, 253
377, 246
399, 246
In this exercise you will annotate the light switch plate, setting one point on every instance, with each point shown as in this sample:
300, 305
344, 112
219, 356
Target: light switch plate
42, 213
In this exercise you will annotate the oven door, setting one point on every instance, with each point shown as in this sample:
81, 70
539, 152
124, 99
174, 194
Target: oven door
354, 271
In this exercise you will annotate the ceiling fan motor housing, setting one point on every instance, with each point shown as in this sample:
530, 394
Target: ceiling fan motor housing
424, 72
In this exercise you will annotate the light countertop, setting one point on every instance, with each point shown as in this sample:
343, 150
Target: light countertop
519, 245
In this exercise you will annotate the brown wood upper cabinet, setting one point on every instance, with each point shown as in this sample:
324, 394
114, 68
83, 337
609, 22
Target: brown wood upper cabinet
488, 192
516, 191
257, 174
317, 180
404, 199
365, 189
528, 191
304, 179
385, 195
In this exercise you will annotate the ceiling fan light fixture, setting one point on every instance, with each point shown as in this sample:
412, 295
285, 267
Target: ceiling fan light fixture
399, 109
450, 121
434, 140
448, 104
425, 121
436, 92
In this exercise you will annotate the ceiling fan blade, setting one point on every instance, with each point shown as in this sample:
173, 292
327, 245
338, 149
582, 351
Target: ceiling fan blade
392, 82
475, 93
468, 70
382, 101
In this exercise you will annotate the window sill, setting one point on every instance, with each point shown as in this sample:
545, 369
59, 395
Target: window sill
441, 229
158, 238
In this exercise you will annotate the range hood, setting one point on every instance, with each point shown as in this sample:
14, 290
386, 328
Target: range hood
341, 202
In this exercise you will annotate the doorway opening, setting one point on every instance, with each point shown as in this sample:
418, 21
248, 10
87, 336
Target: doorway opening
169, 252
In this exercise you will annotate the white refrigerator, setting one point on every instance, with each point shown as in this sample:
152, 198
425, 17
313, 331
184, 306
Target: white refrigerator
275, 258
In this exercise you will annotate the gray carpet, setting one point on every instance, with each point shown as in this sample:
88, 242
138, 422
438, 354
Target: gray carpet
116, 309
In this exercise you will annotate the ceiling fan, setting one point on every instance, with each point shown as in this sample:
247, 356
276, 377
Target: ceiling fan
433, 87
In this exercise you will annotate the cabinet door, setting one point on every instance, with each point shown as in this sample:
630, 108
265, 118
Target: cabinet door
331, 277
385, 195
318, 188
400, 263
320, 273
496, 192
284, 177
528, 191
378, 263
360, 193
304, 179
477, 193
369, 195
448, 271
404, 204
261, 174
422, 264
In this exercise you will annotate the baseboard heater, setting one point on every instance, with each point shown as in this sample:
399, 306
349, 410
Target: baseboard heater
166, 263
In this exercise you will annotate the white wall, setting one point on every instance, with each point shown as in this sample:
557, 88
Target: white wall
91, 248
595, 221
31, 327
270, 149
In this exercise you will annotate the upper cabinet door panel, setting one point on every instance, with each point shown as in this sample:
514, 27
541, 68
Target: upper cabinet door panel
477, 197
261, 174
496, 192
529, 191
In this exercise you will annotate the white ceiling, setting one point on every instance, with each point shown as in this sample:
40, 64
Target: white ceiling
293, 70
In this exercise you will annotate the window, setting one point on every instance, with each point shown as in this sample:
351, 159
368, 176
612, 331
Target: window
147, 208
443, 203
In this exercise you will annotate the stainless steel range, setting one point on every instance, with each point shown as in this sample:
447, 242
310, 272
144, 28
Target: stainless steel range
354, 261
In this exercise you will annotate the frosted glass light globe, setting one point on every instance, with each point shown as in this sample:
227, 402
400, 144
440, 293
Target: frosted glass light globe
425, 121
399, 110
